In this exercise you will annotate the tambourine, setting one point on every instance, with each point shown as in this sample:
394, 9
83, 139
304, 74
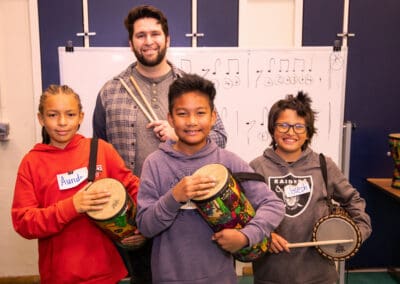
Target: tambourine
340, 227
335, 236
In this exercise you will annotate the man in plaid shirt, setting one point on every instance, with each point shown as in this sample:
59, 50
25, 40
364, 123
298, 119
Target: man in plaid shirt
119, 119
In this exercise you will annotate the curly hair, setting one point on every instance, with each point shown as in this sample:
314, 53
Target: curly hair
301, 103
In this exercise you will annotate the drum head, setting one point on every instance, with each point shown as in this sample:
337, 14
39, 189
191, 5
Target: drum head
219, 172
337, 227
117, 198
394, 135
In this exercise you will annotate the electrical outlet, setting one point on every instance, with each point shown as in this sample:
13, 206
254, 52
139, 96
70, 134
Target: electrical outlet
4, 131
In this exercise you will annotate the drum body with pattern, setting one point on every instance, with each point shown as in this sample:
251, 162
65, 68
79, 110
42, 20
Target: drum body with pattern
394, 143
117, 218
337, 226
226, 207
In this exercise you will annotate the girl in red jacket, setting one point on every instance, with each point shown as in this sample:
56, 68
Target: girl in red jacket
50, 200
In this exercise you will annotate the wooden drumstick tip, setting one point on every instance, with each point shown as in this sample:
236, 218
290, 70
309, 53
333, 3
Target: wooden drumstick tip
149, 117
143, 98
319, 243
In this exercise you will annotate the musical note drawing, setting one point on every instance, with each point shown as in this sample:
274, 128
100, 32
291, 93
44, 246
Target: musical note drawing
216, 62
264, 117
234, 62
252, 123
205, 71
263, 135
301, 79
285, 63
311, 64
299, 62
290, 79
268, 82
270, 64
232, 80
259, 74
227, 83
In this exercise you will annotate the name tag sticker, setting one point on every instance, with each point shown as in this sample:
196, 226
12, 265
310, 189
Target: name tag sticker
300, 188
72, 179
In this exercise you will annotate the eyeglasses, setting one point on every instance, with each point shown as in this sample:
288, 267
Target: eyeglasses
298, 128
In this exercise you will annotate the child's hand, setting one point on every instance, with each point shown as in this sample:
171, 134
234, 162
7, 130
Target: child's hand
135, 240
278, 244
231, 240
90, 200
192, 186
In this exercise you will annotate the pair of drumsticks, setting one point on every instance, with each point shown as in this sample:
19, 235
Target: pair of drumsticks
149, 112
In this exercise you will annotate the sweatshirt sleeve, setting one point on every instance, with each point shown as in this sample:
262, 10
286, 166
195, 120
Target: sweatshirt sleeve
156, 211
269, 209
349, 198
29, 219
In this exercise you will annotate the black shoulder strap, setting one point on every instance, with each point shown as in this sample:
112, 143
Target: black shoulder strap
92, 159
324, 170
244, 176
322, 161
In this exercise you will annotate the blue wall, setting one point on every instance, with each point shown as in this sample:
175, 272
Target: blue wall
106, 19
372, 104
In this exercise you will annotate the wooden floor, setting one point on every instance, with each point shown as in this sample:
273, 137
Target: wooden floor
34, 279
352, 277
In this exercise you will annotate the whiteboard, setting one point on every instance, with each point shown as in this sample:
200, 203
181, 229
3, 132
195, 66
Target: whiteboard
248, 82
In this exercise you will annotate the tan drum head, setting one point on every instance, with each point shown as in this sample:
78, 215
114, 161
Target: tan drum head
337, 227
117, 198
394, 135
219, 172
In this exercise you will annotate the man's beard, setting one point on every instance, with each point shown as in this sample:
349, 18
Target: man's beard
160, 57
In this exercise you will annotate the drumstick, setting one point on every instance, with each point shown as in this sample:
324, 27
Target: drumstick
137, 101
318, 243
143, 97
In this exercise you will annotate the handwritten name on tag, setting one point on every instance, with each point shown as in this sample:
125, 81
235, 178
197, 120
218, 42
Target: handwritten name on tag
300, 188
72, 179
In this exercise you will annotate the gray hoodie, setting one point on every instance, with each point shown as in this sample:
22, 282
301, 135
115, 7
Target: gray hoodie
304, 207
183, 251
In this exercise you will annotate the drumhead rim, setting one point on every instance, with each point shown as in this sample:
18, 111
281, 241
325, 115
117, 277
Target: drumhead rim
217, 190
118, 210
357, 241
394, 135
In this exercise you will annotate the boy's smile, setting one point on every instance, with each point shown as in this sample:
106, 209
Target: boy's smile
289, 144
192, 119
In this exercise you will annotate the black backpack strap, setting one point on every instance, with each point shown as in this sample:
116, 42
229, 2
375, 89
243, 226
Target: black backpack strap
92, 159
245, 176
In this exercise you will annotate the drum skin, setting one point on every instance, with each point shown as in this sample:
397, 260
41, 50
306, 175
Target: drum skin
117, 218
226, 207
337, 226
